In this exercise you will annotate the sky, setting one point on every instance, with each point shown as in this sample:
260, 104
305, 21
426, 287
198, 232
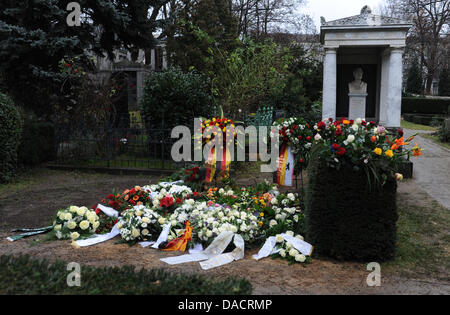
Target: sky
337, 9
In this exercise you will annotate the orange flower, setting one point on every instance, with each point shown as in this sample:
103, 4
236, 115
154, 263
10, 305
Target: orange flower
373, 138
126, 191
346, 122
136, 198
416, 150
126, 197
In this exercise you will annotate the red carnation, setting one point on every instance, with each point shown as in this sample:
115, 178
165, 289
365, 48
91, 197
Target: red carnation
300, 137
340, 151
308, 138
321, 125
335, 146
110, 196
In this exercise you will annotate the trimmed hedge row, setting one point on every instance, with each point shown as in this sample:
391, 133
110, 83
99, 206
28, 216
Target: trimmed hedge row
23, 275
10, 134
346, 220
419, 105
428, 120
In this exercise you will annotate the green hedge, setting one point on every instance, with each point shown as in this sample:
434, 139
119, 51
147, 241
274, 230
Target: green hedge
178, 97
422, 119
37, 146
345, 219
10, 132
23, 275
419, 105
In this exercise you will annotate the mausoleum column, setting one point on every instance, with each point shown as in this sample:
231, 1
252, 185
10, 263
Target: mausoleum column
329, 83
394, 99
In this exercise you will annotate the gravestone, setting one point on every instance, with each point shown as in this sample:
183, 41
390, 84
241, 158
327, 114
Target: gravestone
375, 44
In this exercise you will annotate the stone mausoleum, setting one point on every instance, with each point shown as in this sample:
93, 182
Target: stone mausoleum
363, 67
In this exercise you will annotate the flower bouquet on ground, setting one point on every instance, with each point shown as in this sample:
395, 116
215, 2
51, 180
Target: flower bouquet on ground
75, 223
285, 250
140, 224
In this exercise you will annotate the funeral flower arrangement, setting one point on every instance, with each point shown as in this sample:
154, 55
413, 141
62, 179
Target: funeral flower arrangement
298, 134
286, 250
75, 222
140, 224
362, 145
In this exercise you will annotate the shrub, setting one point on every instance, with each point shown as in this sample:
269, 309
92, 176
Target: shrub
10, 131
411, 105
37, 144
178, 97
23, 275
344, 218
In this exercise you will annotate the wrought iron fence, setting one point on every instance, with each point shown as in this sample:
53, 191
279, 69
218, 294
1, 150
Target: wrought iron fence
114, 144
125, 141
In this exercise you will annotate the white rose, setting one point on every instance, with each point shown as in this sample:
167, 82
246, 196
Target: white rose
230, 193
71, 225
84, 225
146, 220
221, 191
272, 223
135, 233
74, 235
68, 216
279, 238
355, 127
358, 121
73, 209
282, 253
300, 257
293, 252
96, 224
317, 137
58, 227
139, 213
350, 138
208, 233
291, 196
290, 233
274, 201
144, 232
161, 220
299, 237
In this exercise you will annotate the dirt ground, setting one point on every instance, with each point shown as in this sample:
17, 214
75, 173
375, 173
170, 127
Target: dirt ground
35, 199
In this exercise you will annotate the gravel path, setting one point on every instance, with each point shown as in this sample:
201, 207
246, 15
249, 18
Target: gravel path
432, 169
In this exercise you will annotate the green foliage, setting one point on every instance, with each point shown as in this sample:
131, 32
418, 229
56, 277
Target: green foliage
344, 219
10, 133
37, 146
188, 46
35, 37
444, 82
23, 275
179, 97
414, 82
421, 105
251, 76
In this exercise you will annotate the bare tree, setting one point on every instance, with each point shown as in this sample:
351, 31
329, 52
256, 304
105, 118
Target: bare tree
428, 38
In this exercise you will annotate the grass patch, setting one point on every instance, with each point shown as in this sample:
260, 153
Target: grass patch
422, 240
435, 139
409, 125
23, 275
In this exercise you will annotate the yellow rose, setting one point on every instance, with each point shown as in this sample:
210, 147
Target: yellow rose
389, 153
68, 216
378, 151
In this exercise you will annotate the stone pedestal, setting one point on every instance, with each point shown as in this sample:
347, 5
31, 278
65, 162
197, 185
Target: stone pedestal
357, 105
